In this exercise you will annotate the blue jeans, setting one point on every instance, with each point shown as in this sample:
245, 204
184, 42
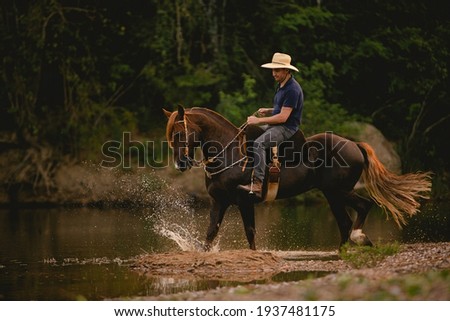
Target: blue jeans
273, 136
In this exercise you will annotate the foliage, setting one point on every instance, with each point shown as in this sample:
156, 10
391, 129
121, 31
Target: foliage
239, 104
54, 92
367, 256
75, 74
319, 114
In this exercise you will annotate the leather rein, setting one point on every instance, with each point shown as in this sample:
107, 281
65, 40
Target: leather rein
205, 162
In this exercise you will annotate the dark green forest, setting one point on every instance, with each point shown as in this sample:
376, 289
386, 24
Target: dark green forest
75, 74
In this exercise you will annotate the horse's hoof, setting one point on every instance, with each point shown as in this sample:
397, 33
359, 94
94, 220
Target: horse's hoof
360, 238
207, 247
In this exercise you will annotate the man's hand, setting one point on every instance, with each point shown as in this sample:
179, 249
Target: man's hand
252, 120
265, 111
271, 120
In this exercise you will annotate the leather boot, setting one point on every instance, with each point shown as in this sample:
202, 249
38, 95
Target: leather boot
256, 187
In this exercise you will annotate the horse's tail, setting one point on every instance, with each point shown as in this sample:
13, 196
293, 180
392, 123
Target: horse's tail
396, 194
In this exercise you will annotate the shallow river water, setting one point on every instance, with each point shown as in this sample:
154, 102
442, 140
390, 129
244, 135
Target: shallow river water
83, 253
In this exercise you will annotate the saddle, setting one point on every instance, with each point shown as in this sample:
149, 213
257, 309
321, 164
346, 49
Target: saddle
291, 152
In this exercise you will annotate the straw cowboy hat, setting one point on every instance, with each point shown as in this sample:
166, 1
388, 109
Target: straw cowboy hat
280, 60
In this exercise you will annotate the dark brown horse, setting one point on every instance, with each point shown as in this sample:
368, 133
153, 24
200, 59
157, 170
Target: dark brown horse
324, 161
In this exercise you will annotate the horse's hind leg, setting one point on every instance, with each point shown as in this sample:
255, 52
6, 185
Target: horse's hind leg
337, 205
362, 206
215, 219
247, 210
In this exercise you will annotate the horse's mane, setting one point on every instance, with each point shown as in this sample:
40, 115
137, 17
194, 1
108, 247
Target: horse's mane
172, 122
213, 114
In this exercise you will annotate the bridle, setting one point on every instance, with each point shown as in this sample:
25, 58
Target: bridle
205, 162
191, 160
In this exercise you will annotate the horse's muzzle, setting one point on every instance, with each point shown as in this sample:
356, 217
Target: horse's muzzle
183, 164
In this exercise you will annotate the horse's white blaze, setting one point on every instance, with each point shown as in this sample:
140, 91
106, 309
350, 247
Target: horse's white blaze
358, 236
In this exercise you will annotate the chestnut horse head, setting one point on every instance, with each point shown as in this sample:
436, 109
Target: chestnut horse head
183, 137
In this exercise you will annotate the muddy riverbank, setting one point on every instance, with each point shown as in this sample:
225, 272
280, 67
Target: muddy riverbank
418, 271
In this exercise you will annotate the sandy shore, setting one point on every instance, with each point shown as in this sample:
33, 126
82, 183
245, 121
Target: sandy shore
419, 271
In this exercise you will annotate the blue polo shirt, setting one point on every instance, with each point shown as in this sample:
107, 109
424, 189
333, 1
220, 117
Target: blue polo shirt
290, 95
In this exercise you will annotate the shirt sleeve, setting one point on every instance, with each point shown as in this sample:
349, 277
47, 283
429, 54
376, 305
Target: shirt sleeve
290, 99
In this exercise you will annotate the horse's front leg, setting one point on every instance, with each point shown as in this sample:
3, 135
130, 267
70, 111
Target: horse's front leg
247, 210
216, 214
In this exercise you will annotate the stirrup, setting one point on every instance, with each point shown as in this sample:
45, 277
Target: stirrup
251, 186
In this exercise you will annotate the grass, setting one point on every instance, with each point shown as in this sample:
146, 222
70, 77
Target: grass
432, 285
367, 256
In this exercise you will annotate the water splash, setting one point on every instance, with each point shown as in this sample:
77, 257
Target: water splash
170, 209
174, 217
180, 235
185, 235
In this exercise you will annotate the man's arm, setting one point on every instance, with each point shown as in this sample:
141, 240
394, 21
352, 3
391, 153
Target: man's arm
271, 120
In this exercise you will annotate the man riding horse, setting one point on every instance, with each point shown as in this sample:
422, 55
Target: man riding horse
225, 168
280, 122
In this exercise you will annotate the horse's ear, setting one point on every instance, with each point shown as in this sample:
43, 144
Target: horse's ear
167, 113
181, 111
